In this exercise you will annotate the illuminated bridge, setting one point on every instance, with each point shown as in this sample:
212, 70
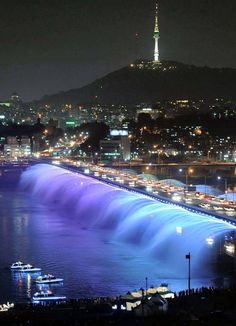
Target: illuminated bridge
164, 200
152, 224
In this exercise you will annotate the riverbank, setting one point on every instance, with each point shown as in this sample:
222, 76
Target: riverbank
205, 306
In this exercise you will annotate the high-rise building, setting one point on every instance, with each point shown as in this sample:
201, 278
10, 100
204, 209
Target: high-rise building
156, 36
116, 147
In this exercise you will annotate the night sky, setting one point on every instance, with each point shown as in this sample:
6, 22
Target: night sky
53, 45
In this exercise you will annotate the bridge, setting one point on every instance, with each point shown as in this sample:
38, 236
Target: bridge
162, 199
6, 167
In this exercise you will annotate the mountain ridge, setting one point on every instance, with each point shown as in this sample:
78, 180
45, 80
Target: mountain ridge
148, 82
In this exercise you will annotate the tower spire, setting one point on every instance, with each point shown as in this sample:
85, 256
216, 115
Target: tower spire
156, 35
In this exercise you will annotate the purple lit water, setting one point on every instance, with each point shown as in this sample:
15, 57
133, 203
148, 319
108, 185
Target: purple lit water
93, 261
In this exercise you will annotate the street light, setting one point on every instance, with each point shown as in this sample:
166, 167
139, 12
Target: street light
189, 259
159, 151
146, 284
187, 173
180, 170
205, 183
226, 185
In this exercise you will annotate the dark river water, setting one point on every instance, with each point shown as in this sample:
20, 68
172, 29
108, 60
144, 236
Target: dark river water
90, 263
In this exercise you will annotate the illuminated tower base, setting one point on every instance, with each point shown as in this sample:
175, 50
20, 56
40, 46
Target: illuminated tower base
156, 51
156, 36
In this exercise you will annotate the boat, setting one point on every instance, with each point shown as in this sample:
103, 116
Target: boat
6, 306
17, 265
29, 269
48, 278
46, 296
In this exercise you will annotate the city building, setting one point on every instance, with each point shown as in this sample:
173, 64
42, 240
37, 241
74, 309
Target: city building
17, 147
147, 109
116, 147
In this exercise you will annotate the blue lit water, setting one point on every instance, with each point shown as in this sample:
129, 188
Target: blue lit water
79, 238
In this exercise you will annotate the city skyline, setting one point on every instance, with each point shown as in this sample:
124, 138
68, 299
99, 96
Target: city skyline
49, 47
117, 162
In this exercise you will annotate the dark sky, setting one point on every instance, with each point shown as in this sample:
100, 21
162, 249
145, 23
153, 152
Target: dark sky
51, 45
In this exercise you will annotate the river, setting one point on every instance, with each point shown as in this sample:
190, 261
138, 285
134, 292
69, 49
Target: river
89, 260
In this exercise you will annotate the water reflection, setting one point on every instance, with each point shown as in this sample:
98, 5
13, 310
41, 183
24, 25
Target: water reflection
90, 263
24, 282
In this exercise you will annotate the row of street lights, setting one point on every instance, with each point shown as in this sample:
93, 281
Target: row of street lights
189, 172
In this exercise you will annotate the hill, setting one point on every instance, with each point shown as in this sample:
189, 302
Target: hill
148, 82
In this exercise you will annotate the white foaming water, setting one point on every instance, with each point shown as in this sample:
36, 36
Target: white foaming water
164, 231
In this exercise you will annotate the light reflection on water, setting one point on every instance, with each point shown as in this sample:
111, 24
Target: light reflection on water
88, 261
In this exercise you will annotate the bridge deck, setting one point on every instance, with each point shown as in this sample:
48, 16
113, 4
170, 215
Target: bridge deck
164, 200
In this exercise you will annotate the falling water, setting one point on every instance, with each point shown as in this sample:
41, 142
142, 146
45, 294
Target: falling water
164, 231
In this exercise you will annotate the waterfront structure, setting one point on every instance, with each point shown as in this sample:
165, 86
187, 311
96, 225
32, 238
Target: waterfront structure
156, 36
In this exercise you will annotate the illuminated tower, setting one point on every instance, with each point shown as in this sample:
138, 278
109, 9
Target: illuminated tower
156, 36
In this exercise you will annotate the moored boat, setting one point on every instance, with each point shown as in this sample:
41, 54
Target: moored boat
48, 278
29, 269
46, 296
6, 306
17, 265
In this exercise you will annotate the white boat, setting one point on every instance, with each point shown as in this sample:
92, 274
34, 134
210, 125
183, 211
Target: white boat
29, 269
48, 278
17, 265
47, 296
6, 306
